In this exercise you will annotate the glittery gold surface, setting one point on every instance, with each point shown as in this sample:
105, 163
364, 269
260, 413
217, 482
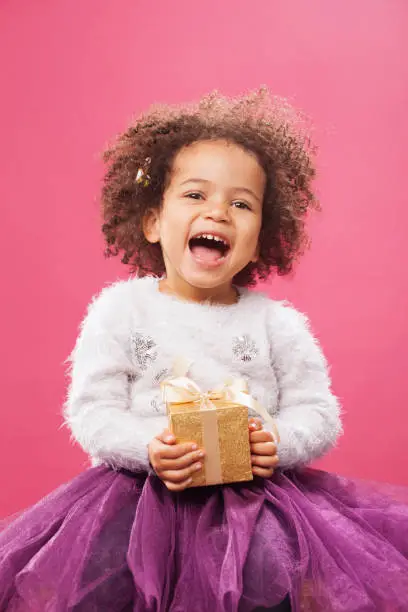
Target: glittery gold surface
233, 435
186, 426
186, 422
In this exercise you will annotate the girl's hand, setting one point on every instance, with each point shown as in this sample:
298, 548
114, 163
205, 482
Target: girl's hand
174, 463
263, 450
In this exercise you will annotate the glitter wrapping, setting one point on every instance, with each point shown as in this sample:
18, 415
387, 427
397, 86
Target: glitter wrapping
229, 443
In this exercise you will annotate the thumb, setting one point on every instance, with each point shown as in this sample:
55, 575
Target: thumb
255, 424
166, 437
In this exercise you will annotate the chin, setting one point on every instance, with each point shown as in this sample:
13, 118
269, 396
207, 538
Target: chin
202, 280
208, 279
206, 283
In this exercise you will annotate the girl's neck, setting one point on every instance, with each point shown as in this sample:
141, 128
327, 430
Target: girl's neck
223, 295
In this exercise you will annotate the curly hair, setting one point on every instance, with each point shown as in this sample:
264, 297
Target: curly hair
261, 124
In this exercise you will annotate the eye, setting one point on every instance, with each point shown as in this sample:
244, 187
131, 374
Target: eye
194, 195
241, 204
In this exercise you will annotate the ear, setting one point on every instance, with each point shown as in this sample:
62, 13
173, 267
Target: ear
151, 226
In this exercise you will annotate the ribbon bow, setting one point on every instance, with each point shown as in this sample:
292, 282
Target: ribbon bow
183, 390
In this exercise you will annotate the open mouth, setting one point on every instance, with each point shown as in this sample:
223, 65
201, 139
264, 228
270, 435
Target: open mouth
209, 248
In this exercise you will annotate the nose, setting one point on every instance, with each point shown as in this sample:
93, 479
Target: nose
218, 211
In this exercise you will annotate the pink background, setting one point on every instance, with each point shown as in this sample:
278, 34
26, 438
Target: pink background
72, 74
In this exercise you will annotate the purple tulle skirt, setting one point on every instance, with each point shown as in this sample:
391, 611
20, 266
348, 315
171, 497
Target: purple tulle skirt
115, 541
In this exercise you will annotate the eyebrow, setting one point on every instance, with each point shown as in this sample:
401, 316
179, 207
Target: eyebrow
206, 182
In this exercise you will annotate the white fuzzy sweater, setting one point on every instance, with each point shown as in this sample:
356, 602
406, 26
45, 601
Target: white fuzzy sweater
130, 339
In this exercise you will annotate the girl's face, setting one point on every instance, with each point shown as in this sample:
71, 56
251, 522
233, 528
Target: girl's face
208, 226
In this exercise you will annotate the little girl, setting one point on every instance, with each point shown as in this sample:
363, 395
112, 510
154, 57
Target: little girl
201, 201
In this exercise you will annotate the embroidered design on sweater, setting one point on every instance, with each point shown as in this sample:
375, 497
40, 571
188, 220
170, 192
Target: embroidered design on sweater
143, 349
244, 348
157, 406
160, 376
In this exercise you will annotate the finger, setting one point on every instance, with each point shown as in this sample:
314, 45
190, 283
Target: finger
160, 452
182, 462
176, 451
166, 437
260, 436
265, 461
176, 487
262, 472
264, 448
255, 424
177, 476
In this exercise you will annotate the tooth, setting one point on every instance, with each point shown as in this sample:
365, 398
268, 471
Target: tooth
212, 237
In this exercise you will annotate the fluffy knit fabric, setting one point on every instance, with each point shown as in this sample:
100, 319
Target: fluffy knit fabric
130, 339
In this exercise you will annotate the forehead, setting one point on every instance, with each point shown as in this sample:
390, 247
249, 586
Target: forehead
218, 161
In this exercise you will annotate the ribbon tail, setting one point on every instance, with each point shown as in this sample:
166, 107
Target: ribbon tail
259, 409
267, 419
250, 402
181, 366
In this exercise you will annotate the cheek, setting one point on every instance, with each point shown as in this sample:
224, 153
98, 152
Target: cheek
250, 233
174, 226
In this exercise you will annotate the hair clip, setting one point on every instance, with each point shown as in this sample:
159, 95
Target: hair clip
142, 177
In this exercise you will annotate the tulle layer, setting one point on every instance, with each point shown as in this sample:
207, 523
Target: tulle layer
115, 541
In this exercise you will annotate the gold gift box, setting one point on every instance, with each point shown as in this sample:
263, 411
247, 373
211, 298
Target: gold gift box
220, 427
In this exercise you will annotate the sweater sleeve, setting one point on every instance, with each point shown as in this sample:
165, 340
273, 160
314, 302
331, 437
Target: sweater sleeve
309, 415
98, 405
